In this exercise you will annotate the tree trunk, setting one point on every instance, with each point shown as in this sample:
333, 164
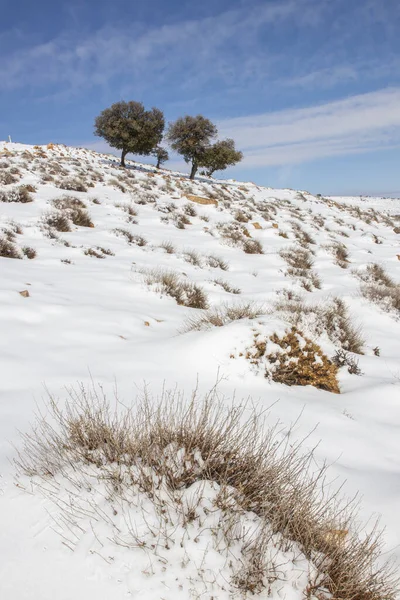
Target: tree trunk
194, 169
124, 153
158, 163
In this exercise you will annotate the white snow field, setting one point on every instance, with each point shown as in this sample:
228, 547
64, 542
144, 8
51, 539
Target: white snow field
94, 310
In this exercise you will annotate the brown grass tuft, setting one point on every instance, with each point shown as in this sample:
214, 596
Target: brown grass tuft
223, 315
19, 194
256, 467
169, 283
331, 318
8, 249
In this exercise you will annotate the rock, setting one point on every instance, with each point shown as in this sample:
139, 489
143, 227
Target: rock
201, 200
25, 294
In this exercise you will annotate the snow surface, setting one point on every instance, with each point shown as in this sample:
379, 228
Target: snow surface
96, 319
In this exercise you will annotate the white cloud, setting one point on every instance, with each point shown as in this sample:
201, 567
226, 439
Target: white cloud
192, 47
357, 124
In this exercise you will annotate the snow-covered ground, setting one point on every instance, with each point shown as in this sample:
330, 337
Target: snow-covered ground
90, 318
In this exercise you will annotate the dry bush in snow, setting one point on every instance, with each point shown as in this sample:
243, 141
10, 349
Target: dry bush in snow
380, 288
98, 252
226, 286
73, 184
131, 212
299, 361
57, 220
7, 178
131, 238
224, 314
301, 263
193, 258
216, 262
19, 194
180, 468
331, 317
68, 203
168, 247
169, 283
340, 254
8, 249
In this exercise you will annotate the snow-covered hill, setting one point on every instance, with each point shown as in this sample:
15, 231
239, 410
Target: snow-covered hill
115, 297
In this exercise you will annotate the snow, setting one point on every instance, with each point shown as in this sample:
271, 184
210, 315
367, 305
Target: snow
96, 320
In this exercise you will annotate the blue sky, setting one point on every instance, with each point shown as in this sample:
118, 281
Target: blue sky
309, 89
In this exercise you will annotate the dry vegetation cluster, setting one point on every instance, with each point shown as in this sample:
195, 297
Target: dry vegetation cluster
239, 221
199, 467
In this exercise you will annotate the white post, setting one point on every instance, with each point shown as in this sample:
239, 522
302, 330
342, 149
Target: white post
9, 139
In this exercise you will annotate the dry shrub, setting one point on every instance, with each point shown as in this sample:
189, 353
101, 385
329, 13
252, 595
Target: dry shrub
380, 288
299, 259
341, 255
299, 361
227, 287
68, 202
7, 178
30, 188
98, 252
169, 283
18, 194
117, 184
344, 359
73, 184
301, 235
80, 217
331, 318
131, 238
8, 249
300, 262
192, 257
236, 234
131, 212
58, 221
224, 314
29, 252
241, 217
180, 221
252, 247
216, 262
168, 247
189, 210
164, 448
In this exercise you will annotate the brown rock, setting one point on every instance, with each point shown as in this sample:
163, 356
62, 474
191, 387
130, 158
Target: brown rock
25, 294
200, 200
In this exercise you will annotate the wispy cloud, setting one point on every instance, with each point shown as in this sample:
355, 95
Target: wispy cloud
193, 47
358, 124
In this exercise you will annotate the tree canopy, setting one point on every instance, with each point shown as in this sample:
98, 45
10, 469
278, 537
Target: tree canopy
190, 137
219, 156
127, 126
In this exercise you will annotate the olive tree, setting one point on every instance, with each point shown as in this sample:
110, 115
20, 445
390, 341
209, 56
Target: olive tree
190, 137
130, 128
219, 156
161, 155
